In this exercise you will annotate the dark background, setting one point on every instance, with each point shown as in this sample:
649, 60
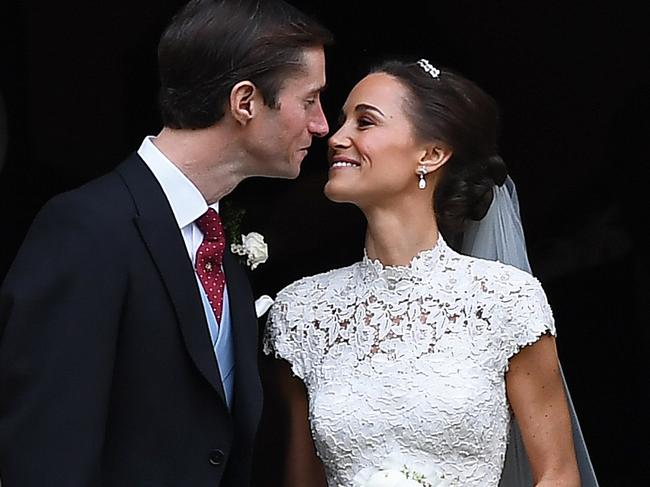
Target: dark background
572, 78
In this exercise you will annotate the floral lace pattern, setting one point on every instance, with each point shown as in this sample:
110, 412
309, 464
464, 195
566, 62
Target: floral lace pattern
409, 358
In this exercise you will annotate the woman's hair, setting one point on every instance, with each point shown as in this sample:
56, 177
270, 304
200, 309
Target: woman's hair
447, 107
211, 45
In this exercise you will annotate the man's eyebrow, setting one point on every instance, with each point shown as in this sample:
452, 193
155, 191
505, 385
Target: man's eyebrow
320, 89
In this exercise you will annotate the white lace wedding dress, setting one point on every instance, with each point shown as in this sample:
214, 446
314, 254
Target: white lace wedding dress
409, 358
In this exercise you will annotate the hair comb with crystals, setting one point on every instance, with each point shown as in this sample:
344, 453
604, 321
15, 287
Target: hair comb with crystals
429, 68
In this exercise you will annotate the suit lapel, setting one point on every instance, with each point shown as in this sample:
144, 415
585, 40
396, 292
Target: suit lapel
161, 235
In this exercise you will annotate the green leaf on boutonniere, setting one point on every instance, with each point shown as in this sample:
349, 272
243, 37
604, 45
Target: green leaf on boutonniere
231, 217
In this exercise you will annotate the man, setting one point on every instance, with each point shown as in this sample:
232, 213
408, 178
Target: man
128, 334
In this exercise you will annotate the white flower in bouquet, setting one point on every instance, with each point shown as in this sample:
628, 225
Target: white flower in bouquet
253, 247
390, 478
397, 470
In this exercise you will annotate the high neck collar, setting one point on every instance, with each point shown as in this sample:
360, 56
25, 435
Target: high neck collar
418, 268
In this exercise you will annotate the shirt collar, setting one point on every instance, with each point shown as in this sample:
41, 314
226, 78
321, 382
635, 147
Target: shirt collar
185, 199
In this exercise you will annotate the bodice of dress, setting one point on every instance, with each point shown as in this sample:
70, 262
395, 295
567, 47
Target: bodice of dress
409, 359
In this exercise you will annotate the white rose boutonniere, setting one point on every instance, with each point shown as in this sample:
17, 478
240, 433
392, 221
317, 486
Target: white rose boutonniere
399, 471
253, 247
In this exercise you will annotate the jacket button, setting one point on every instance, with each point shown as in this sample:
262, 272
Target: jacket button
216, 457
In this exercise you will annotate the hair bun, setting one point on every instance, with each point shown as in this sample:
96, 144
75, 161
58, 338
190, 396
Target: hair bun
495, 172
497, 169
466, 192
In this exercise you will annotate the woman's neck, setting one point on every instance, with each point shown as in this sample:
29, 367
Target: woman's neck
397, 234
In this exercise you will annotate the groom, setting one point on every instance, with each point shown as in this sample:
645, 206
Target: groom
128, 337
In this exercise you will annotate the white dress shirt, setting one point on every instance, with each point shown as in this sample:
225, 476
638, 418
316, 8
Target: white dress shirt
188, 204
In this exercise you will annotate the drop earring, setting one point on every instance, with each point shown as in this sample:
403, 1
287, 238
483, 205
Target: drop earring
422, 183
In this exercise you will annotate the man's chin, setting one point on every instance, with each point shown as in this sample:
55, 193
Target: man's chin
293, 168
293, 172
286, 170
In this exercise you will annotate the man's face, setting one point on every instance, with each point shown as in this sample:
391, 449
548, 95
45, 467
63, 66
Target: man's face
285, 132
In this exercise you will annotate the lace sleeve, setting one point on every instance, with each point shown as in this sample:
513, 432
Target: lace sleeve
529, 316
282, 337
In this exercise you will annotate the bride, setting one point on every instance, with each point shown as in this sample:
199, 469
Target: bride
417, 352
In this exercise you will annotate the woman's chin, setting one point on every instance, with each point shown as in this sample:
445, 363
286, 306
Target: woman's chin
339, 193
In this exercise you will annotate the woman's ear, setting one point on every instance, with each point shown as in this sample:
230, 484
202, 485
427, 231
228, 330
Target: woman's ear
243, 101
433, 157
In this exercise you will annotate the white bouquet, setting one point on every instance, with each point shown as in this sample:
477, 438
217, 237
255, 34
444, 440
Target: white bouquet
400, 471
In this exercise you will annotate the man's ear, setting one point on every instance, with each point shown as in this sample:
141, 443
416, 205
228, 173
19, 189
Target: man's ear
244, 101
434, 156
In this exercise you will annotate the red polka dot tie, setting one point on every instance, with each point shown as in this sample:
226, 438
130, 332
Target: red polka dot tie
209, 257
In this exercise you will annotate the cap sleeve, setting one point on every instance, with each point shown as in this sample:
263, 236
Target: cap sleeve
529, 316
283, 336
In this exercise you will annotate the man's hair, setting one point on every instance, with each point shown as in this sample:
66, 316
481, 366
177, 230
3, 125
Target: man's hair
211, 45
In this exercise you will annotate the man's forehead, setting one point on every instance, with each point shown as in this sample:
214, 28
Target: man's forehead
305, 82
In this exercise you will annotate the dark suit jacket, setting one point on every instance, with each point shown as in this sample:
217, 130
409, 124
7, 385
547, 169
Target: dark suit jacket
107, 372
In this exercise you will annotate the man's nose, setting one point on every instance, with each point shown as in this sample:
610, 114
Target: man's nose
319, 126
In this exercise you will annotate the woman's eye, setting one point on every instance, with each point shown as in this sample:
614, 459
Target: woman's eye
364, 122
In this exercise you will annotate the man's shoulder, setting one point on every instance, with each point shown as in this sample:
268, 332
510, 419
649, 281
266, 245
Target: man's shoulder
104, 196
83, 225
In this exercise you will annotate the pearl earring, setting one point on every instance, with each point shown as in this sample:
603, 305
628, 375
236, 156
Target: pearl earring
422, 183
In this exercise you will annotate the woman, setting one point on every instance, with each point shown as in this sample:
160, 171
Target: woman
418, 352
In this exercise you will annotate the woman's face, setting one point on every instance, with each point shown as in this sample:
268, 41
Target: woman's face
374, 155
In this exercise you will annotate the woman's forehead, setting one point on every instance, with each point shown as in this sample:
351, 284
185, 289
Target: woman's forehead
378, 89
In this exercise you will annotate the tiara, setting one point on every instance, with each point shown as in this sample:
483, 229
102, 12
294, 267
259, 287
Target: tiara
428, 68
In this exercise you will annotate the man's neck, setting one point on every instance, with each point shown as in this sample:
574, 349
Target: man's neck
207, 157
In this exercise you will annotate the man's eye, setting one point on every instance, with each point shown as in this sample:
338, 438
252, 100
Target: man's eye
310, 101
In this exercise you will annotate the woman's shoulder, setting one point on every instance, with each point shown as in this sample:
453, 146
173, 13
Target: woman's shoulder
516, 292
514, 295
495, 275
310, 286
495, 271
